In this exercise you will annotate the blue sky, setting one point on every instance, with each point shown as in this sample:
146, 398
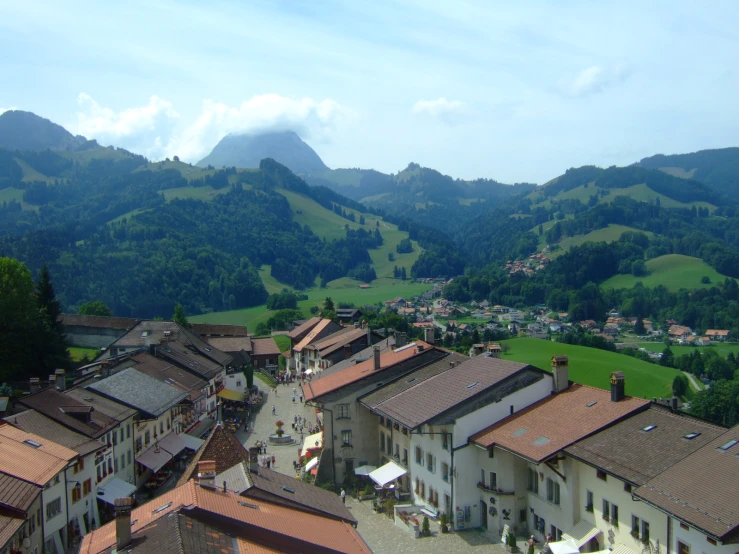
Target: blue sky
511, 91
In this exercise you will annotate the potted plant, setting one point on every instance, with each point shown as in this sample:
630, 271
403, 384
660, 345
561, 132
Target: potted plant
635, 534
589, 508
280, 431
606, 517
426, 527
444, 523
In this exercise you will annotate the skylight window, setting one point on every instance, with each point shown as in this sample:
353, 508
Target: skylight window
288, 489
541, 441
35, 444
473, 385
728, 445
248, 505
520, 432
648, 428
691, 436
162, 508
411, 380
591, 404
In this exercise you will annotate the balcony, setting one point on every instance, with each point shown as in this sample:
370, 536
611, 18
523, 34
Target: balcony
493, 490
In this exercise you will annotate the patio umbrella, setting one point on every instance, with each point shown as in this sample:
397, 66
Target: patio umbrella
364, 470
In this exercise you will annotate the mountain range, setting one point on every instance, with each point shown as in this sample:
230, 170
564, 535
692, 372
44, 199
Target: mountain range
142, 235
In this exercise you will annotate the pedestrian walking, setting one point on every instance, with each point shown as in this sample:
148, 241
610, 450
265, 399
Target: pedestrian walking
343, 496
301, 397
295, 390
274, 410
275, 391
268, 463
293, 399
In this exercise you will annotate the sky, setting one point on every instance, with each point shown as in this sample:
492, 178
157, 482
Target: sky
512, 91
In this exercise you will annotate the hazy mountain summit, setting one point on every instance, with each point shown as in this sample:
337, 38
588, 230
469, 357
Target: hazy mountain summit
21, 130
285, 147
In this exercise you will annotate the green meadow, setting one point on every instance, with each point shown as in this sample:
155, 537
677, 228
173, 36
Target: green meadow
673, 271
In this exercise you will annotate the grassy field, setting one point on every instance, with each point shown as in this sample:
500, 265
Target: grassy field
11, 193
283, 342
590, 366
128, 215
674, 271
30, 174
188, 171
77, 353
340, 290
197, 193
608, 234
722, 348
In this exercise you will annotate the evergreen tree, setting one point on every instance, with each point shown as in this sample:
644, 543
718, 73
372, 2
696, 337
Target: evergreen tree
639, 328
403, 274
328, 304
48, 304
667, 358
179, 316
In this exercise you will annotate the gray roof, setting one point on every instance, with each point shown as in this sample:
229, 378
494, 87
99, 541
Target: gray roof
412, 379
138, 390
236, 478
451, 388
111, 408
636, 456
37, 423
189, 360
384, 345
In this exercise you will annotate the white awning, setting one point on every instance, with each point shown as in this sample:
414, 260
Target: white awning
310, 443
308, 371
115, 488
310, 465
364, 470
387, 473
581, 533
564, 547
154, 458
192, 443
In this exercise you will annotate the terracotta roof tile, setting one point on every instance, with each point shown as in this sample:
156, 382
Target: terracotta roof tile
580, 411
442, 392
36, 465
16, 493
264, 347
702, 489
635, 455
332, 381
32, 421
220, 447
238, 514
9, 526
303, 328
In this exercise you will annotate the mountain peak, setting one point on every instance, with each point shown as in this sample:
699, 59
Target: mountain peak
247, 150
21, 130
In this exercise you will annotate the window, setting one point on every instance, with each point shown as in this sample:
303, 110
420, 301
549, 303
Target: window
522, 516
86, 487
635, 522
552, 491
53, 508
147, 437
128, 431
430, 465
346, 438
711, 541
555, 532
588, 501
115, 465
419, 456
382, 442
115, 438
404, 430
601, 475
123, 461
129, 457
349, 467
78, 466
533, 481
169, 424
110, 465
342, 411
445, 441
627, 487
682, 548
397, 450
606, 509
614, 515
684, 527
405, 456
482, 477
539, 523
139, 445
388, 424
76, 493
382, 420
644, 530
445, 471
161, 427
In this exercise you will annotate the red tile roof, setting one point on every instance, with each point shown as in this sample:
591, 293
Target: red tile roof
333, 381
278, 521
548, 426
264, 347
303, 328
25, 461
313, 334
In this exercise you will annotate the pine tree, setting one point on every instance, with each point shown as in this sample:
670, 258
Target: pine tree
48, 304
179, 316
403, 273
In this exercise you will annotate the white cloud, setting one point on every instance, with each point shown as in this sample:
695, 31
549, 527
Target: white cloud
3, 110
268, 112
441, 108
593, 80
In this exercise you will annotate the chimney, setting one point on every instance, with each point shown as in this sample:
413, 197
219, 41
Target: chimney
61, 381
369, 333
153, 349
399, 339
618, 386
560, 372
207, 473
347, 351
224, 487
34, 385
673, 403
419, 347
52, 381
254, 459
376, 355
428, 335
123, 522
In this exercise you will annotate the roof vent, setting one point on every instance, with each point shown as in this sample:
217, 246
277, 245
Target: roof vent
471, 385
35, 444
722, 448
248, 505
411, 380
648, 428
591, 404
162, 508
288, 489
691, 436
